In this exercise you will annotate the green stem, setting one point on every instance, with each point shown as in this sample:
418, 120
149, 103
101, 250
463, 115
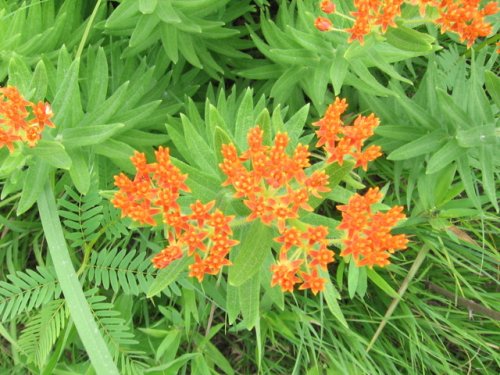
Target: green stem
78, 306
87, 30
406, 282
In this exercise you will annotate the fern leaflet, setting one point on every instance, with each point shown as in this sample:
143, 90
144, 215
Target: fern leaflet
116, 333
26, 291
82, 216
42, 331
122, 270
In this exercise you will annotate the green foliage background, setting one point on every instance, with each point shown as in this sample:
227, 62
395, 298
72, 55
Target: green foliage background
132, 75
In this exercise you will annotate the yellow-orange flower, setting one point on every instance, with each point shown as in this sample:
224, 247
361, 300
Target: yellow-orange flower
323, 24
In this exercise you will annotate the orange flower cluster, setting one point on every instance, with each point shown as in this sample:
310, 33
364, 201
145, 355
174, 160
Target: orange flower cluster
308, 247
276, 185
154, 191
368, 239
20, 119
339, 140
372, 13
275, 188
464, 17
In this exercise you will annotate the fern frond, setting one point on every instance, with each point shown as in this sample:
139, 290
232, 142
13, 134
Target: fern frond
116, 333
26, 291
42, 331
82, 214
121, 270
113, 223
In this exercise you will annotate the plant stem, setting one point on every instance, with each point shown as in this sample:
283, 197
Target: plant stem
406, 282
87, 29
78, 306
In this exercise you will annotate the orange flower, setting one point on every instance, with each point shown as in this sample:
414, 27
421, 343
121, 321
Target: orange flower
312, 281
327, 7
368, 239
323, 24
285, 274
307, 247
339, 140
20, 119
155, 190
273, 183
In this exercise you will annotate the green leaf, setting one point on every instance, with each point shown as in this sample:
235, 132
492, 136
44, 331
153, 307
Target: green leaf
381, 283
79, 171
244, 119
19, 75
232, 303
37, 174
88, 135
488, 173
331, 295
249, 294
492, 82
477, 136
39, 82
352, 279
408, 39
255, 245
79, 309
52, 153
167, 276
201, 152
147, 6
338, 71
63, 101
423, 145
444, 156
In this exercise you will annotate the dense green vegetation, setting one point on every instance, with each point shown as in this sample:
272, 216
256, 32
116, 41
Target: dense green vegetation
78, 291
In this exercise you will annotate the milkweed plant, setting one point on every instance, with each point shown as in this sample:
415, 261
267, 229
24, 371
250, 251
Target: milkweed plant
228, 187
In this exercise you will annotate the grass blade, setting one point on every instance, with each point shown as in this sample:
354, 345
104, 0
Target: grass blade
78, 307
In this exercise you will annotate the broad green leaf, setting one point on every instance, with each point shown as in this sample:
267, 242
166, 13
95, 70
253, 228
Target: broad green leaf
486, 160
167, 13
338, 71
364, 80
220, 138
88, 135
444, 156
232, 303
98, 85
147, 6
409, 39
492, 82
36, 176
255, 245
295, 125
167, 276
144, 32
381, 283
65, 96
201, 152
421, 146
352, 278
477, 136
51, 152
249, 295
19, 75
331, 295
39, 82
79, 171
244, 119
